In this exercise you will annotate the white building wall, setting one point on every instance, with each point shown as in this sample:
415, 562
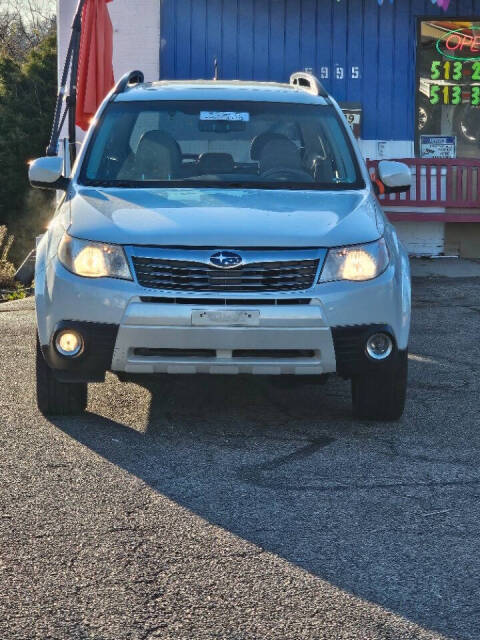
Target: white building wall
387, 149
136, 38
422, 238
136, 43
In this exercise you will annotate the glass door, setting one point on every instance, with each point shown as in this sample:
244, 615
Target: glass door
448, 89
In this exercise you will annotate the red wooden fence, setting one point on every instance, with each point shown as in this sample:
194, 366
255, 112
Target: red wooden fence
452, 187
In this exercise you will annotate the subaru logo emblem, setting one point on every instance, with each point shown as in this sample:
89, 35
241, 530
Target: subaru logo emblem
226, 259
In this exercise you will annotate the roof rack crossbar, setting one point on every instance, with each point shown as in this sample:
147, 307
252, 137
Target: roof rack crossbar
308, 82
129, 79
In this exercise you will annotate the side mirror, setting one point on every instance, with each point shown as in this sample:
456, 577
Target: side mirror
47, 173
395, 176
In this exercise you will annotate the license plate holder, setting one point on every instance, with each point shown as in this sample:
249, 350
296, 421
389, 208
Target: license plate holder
226, 317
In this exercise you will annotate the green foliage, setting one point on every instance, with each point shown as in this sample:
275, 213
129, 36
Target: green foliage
27, 102
7, 270
24, 25
18, 293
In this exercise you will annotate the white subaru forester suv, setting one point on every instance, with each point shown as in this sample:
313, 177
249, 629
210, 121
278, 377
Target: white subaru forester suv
221, 227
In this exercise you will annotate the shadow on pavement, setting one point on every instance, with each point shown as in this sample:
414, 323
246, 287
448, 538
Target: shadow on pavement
289, 470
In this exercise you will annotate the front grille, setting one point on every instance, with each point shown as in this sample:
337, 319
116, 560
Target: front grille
179, 275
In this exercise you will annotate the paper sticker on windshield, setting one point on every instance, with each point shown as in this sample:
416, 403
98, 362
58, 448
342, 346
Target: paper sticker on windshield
229, 116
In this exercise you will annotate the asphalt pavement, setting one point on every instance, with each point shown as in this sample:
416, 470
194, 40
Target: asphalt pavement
246, 508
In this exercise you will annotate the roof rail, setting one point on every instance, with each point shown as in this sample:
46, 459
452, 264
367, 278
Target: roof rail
129, 79
308, 82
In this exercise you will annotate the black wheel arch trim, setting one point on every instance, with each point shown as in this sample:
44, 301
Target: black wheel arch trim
350, 354
94, 361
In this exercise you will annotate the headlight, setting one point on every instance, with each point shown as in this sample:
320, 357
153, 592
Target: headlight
361, 262
93, 259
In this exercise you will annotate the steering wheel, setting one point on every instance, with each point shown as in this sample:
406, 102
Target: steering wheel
287, 174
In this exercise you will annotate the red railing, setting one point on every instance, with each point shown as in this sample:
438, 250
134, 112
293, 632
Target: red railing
452, 185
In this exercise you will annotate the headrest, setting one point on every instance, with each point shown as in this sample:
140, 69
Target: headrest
156, 137
279, 153
158, 156
259, 142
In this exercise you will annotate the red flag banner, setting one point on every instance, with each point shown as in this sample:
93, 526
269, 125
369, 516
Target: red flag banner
95, 62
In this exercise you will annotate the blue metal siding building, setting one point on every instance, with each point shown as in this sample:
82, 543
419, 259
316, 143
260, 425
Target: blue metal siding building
363, 52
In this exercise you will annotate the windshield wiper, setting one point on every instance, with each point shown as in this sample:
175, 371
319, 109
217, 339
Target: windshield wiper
200, 184
110, 183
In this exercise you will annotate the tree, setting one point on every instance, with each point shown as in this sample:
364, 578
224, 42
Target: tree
23, 25
27, 102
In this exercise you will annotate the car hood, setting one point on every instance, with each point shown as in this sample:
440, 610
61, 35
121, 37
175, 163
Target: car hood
224, 217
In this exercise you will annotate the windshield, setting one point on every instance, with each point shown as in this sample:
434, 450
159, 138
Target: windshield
221, 144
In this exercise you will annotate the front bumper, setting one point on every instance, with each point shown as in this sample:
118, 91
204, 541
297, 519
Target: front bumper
154, 335
162, 338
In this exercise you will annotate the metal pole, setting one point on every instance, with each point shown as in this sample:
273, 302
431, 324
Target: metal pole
71, 64
72, 98
52, 148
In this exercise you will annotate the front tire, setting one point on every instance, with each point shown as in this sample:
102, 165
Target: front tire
55, 397
381, 396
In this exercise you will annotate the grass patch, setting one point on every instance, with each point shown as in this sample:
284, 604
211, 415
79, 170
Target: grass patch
9, 288
7, 268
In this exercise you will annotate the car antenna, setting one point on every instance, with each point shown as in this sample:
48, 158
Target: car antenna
215, 66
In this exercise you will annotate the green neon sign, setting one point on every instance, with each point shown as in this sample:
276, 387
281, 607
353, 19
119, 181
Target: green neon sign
457, 42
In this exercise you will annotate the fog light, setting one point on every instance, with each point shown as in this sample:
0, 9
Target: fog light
379, 346
69, 343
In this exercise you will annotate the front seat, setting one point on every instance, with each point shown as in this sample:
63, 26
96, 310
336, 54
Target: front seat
158, 157
259, 142
279, 154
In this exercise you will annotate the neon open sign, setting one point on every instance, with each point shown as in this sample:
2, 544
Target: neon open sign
460, 45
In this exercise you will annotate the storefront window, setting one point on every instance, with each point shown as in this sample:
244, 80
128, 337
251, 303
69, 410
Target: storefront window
448, 89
